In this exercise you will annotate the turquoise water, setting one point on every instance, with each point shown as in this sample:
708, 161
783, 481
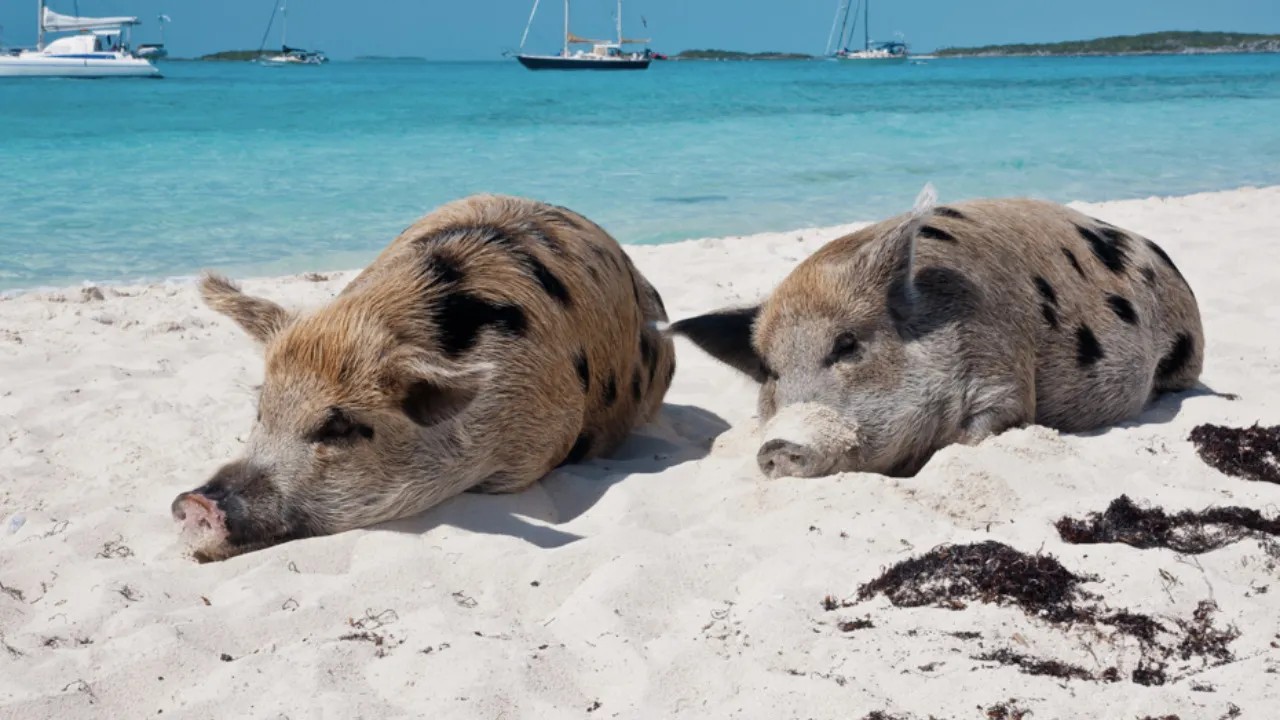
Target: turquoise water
269, 170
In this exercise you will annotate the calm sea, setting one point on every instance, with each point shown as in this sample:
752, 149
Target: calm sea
273, 170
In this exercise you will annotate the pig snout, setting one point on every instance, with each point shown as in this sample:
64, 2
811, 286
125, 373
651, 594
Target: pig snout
807, 440
203, 522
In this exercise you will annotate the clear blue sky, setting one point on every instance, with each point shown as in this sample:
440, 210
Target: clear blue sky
482, 29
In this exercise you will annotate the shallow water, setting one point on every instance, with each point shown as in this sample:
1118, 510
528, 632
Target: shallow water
271, 170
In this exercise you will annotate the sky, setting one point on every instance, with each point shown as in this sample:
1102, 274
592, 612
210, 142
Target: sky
483, 29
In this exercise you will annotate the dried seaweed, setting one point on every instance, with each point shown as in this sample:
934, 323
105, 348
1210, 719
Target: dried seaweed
1035, 666
1251, 453
1186, 532
994, 573
988, 572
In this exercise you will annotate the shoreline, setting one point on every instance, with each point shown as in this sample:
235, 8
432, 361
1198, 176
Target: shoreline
830, 232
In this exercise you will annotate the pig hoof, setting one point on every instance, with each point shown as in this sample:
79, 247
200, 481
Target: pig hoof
782, 458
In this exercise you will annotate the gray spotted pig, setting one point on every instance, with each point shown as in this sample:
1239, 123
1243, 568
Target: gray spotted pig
494, 340
953, 323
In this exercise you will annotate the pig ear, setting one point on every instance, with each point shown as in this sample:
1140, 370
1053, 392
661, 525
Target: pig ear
894, 255
431, 394
726, 336
258, 317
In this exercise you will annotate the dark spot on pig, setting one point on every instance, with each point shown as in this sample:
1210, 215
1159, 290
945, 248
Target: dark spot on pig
1168, 261
1088, 351
547, 279
950, 212
942, 298
648, 354
1177, 358
546, 240
584, 370
580, 448
657, 298
595, 274
604, 256
635, 385
1111, 251
610, 390
460, 317
934, 233
1050, 315
1123, 309
1149, 274
1071, 257
444, 270
635, 286
1046, 291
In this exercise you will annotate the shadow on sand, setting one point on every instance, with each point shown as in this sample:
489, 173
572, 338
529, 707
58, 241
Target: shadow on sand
1163, 409
682, 433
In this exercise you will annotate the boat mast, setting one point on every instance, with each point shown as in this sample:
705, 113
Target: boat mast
40, 26
866, 23
619, 25
565, 51
284, 25
525, 37
847, 7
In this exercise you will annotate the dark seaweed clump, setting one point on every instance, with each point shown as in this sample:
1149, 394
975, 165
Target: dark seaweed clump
988, 572
1250, 453
1036, 666
1186, 532
991, 572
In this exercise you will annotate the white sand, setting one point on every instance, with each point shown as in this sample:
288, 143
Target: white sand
661, 584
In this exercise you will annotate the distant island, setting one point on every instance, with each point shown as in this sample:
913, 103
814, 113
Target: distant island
733, 55
1160, 43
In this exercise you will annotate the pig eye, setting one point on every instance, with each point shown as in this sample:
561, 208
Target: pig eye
844, 349
339, 427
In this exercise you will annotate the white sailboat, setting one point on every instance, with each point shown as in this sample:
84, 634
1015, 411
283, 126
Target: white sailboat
604, 54
881, 53
287, 55
155, 51
99, 49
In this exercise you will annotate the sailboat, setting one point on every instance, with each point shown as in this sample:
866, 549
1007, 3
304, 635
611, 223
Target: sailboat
288, 55
881, 53
604, 54
99, 49
155, 51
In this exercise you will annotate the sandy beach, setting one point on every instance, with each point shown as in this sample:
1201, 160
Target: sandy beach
671, 581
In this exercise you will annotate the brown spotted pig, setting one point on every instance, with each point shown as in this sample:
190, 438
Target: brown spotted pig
953, 323
496, 339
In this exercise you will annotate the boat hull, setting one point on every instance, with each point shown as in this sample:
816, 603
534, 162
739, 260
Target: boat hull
548, 62
872, 61
105, 66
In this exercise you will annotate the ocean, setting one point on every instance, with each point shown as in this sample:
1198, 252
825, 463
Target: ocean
258, 171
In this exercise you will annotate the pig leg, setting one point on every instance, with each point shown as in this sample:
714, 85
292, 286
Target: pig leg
983, 425
501, 484
1001, 406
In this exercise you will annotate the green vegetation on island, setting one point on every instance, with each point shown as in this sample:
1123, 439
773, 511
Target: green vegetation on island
232, 55
733, 55
1160, 43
